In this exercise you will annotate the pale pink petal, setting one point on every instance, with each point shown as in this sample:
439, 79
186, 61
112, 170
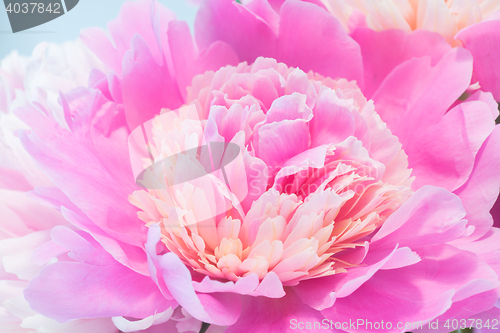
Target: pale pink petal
270, 286
108, 179
280, 141
71, 290
126, 325
20, 215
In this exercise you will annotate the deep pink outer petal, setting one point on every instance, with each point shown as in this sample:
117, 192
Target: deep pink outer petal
414, 100
483, 41
416, 94
480, 191
309, 37
230, 22
263, 315
460, 133
312, 39
385, 50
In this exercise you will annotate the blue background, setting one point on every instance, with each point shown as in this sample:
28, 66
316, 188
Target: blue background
87, 13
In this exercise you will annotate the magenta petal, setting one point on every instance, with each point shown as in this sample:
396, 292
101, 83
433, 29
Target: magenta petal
263, 9
135, 17
81, 246
414, 98
184, 54
71, 290
383, 51
487, 244
460, 133
416, 94
147, 87
188, 62
263, 315
431, 216
483, 41
471, 306
480, 191
234, 24
492, 315
312, 39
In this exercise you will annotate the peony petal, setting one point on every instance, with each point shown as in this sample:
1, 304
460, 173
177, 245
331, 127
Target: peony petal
72, 290
483, 41
73, 163
460, 133
312, 39
232, 23
416, 94
147, 87
419, 292
383, 51
262, 315
431, 216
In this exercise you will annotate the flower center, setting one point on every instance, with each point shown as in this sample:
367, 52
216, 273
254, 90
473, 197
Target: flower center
302, 210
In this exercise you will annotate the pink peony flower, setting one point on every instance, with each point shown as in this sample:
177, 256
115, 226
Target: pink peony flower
333, 208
